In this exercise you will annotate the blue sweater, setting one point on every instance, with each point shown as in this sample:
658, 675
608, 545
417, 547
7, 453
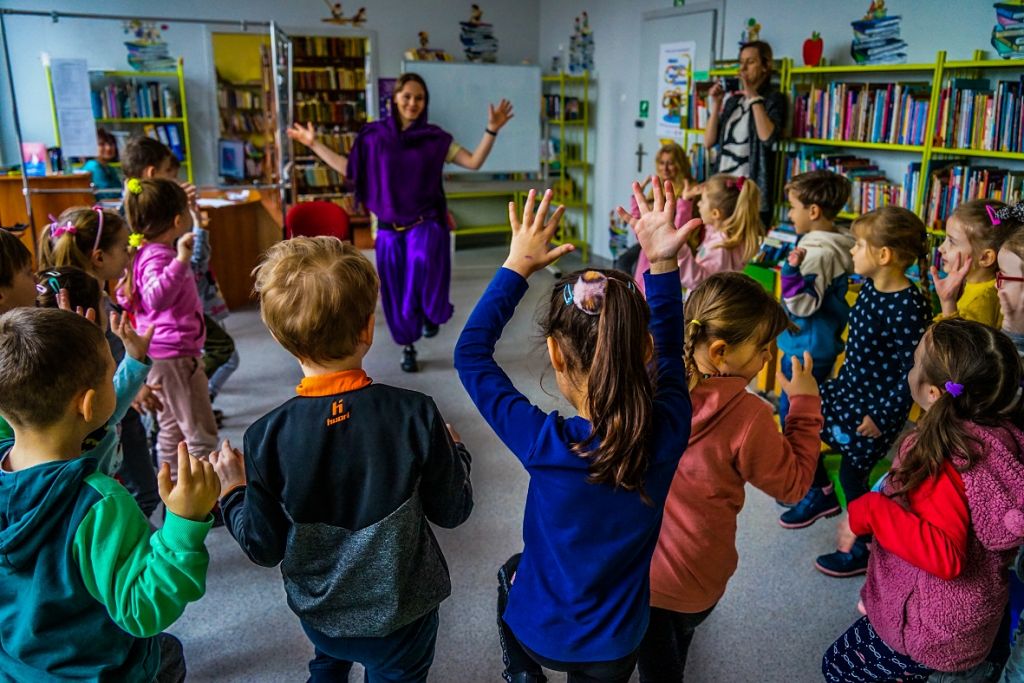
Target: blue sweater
581, 591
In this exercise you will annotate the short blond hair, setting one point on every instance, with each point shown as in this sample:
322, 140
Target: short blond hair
316, 295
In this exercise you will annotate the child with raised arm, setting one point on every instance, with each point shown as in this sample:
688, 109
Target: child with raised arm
815, 277
577, 598
340, 483
86, 589
946, 521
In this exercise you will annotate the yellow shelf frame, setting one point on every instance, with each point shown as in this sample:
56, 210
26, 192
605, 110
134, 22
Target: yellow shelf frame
562, 80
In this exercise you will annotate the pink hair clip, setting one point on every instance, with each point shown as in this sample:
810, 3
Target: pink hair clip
588, 293
58, 231
739, 183
954, 388
992, 216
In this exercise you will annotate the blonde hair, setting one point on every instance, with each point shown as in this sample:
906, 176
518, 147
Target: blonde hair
74, 247
316, 296
734, 308
739, 200
679, 158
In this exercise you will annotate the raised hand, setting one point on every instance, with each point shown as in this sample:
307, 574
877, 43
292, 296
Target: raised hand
655, 229
796, 257
531, 235
229, 464
64, 304
715, 95
306, 136
186, 243
195, 493
950, 287
499, 116
147, 401
802, 382
135, 346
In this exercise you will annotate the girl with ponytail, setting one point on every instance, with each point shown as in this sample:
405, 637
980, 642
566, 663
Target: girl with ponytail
733, 229
947, 519
598, 479
731, 324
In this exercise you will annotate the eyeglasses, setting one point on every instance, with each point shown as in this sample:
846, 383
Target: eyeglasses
1001, 278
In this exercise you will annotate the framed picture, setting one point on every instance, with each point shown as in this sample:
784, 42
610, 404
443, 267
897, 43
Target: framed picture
231, 159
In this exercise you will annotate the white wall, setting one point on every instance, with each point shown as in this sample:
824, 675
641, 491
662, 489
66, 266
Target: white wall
395, 23
957, 26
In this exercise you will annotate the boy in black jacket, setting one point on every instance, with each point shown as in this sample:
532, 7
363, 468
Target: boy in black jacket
339, 483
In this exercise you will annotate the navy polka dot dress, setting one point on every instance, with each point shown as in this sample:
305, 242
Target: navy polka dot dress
885, 328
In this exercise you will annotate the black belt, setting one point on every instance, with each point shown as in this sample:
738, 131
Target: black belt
386, 225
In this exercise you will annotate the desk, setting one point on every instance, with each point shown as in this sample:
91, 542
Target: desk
12, 201
239, 234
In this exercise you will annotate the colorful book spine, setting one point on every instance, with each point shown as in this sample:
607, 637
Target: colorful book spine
866, 112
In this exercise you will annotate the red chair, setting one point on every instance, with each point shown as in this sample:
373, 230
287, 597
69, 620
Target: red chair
315, 219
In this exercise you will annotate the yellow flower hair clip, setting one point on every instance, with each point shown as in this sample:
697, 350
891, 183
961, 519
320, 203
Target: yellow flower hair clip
135, 240
134, 185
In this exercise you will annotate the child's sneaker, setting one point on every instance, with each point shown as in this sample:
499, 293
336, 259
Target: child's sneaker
842, 565
816, 504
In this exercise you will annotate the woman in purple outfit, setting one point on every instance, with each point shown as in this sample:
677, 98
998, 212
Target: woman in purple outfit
396, 166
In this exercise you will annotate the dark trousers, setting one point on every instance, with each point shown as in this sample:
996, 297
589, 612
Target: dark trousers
172, 660
523, 664
852, 478
137, 472
860, 655
666, 644
403, 656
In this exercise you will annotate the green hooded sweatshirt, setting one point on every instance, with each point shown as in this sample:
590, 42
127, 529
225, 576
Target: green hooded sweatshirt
84, 583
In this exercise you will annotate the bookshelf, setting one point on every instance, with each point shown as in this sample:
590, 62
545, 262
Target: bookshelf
244, 116
330, 88
151, 103
566, 157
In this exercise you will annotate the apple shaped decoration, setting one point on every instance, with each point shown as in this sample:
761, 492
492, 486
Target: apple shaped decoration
813, 48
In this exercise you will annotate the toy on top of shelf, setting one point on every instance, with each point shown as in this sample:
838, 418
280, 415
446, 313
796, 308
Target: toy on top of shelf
750, 33
425, 53
581, 46
876, 10
813, 49
338, 17
477, 37
148, 52
1008, 33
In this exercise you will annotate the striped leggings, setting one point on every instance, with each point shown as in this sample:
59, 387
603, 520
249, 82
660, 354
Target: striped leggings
859, 655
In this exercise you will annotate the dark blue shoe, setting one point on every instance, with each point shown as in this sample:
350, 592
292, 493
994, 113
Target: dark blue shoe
816, 504
842, 565
430, 329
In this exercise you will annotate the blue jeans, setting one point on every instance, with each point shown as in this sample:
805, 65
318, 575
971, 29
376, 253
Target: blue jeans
402, 656
821, 371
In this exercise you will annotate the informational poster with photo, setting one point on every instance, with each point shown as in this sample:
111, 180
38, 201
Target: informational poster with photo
673, 65
73, 102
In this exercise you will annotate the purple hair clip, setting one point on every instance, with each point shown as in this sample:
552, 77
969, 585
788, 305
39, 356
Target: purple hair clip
992, 215
954, 388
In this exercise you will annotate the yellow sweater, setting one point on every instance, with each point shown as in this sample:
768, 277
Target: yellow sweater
979, 302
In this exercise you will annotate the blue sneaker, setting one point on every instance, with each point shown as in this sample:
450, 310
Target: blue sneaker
842, 565
816, 504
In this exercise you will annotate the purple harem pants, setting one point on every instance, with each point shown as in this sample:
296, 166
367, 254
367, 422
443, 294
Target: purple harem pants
415, 272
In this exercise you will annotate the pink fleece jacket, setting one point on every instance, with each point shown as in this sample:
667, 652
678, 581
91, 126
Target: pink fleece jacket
734, 440
949, 625
166, 297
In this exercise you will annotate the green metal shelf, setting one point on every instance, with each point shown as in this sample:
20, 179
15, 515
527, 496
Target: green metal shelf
564, 122
176, 119
858, 145
135, 74
986, 64
992, 154
860, 68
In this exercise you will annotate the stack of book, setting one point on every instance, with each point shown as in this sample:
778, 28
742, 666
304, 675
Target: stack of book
890, 113
870, 189
974, 116
877, 41
478, 41
133, 100
953, 185
1008, 33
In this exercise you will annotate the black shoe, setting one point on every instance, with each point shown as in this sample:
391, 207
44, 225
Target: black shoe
218, 416
816, 504
409, 363
842, 565
430, 329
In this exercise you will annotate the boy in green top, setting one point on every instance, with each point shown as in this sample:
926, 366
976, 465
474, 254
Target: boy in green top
85, 589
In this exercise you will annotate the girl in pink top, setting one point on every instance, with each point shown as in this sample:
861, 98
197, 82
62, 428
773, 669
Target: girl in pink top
948, 518
160, 290
731, 324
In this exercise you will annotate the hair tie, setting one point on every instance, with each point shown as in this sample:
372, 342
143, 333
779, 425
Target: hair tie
1016, 212
954, 388
58, 231
99, 229
739, 183
135, 240
697, 323
588, 292
134, 185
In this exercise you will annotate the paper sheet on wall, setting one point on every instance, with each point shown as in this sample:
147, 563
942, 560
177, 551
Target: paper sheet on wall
73, 102
673, 63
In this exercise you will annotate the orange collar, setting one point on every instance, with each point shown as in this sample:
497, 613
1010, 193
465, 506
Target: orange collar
333, 383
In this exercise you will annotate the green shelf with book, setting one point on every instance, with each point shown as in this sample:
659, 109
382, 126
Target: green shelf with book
566, 162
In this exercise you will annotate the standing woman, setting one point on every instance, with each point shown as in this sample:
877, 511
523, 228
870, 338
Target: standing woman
749, 123
396, 169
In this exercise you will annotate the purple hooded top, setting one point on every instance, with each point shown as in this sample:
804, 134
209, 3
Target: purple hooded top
398, 174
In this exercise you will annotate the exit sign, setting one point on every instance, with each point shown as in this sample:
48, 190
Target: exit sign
645, 108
